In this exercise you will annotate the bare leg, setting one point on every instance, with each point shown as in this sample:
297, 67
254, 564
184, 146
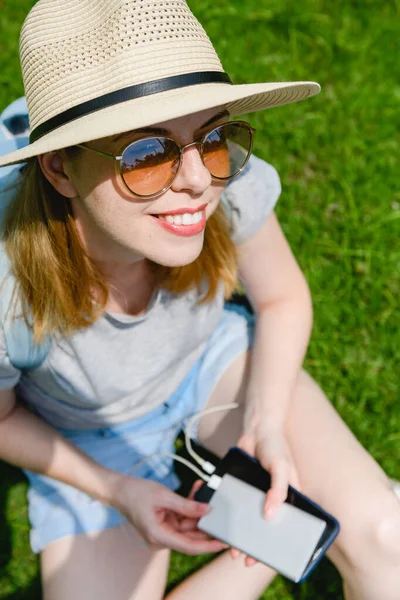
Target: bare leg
108, 565
337, 473
354, 488
224, 578
103, 566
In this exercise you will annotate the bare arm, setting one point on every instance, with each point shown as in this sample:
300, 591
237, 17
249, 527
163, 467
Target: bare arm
28, 442
281, 299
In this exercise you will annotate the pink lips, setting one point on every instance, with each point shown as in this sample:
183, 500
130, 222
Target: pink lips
183, 230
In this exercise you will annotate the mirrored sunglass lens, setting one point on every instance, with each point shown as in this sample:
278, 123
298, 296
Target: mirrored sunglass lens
149, 165
226, 149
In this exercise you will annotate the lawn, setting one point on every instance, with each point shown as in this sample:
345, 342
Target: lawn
338, 157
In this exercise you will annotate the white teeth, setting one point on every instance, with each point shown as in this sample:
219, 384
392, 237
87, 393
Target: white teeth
183, 219
187, 219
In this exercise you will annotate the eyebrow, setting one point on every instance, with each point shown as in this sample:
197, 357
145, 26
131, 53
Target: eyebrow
166, 132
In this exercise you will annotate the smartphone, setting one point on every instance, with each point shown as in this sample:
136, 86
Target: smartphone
293, 542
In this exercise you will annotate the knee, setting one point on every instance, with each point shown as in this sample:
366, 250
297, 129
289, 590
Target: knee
376, 544
386, 536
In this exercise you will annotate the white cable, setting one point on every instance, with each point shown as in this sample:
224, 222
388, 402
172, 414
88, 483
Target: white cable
144, 460
190, 422
215, 481
205, 465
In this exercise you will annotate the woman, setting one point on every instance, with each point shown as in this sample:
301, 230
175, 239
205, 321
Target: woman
122, 242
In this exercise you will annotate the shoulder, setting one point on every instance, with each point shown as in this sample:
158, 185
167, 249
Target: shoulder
250, 198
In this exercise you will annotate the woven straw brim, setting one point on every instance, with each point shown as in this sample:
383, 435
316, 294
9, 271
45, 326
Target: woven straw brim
149, 110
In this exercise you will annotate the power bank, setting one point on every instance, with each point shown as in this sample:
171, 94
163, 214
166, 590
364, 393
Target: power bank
293, 542
286, 542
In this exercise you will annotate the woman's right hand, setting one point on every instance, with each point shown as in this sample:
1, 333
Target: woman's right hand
164, 519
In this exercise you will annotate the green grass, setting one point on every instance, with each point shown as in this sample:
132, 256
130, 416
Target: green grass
338, 157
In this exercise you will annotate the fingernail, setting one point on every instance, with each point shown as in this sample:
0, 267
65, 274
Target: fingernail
269, 513
251, 563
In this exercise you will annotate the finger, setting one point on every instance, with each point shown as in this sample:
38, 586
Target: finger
199, 535
172, 524
172, 519
249, 561
279, 487
195, 488
184, 525
183, 542
188, 524
247, 444
235, 553
183, 506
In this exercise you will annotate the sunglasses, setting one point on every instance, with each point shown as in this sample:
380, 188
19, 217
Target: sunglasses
150, 165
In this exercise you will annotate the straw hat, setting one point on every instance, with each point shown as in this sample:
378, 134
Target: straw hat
94, 68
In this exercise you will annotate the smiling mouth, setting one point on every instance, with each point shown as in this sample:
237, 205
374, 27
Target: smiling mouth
186, 223
182, 218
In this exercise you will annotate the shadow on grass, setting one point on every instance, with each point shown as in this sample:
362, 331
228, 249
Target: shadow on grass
323, 584
13, 554
33, 592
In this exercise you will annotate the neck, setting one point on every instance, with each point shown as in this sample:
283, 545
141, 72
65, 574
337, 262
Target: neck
130, 286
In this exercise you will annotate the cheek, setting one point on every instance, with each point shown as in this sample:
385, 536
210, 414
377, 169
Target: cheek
215, 196
105, 208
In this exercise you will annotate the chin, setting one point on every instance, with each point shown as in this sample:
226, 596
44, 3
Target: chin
177, 257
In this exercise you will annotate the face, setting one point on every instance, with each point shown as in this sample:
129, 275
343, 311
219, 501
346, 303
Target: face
118, 227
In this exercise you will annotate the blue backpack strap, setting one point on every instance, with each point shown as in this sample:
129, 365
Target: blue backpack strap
22, 351
14, 131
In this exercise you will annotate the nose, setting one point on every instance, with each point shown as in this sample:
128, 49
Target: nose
193, 176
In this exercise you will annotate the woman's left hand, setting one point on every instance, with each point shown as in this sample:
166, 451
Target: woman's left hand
269, 446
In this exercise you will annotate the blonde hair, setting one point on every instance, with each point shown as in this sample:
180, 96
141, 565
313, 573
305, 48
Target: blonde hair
56, 280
